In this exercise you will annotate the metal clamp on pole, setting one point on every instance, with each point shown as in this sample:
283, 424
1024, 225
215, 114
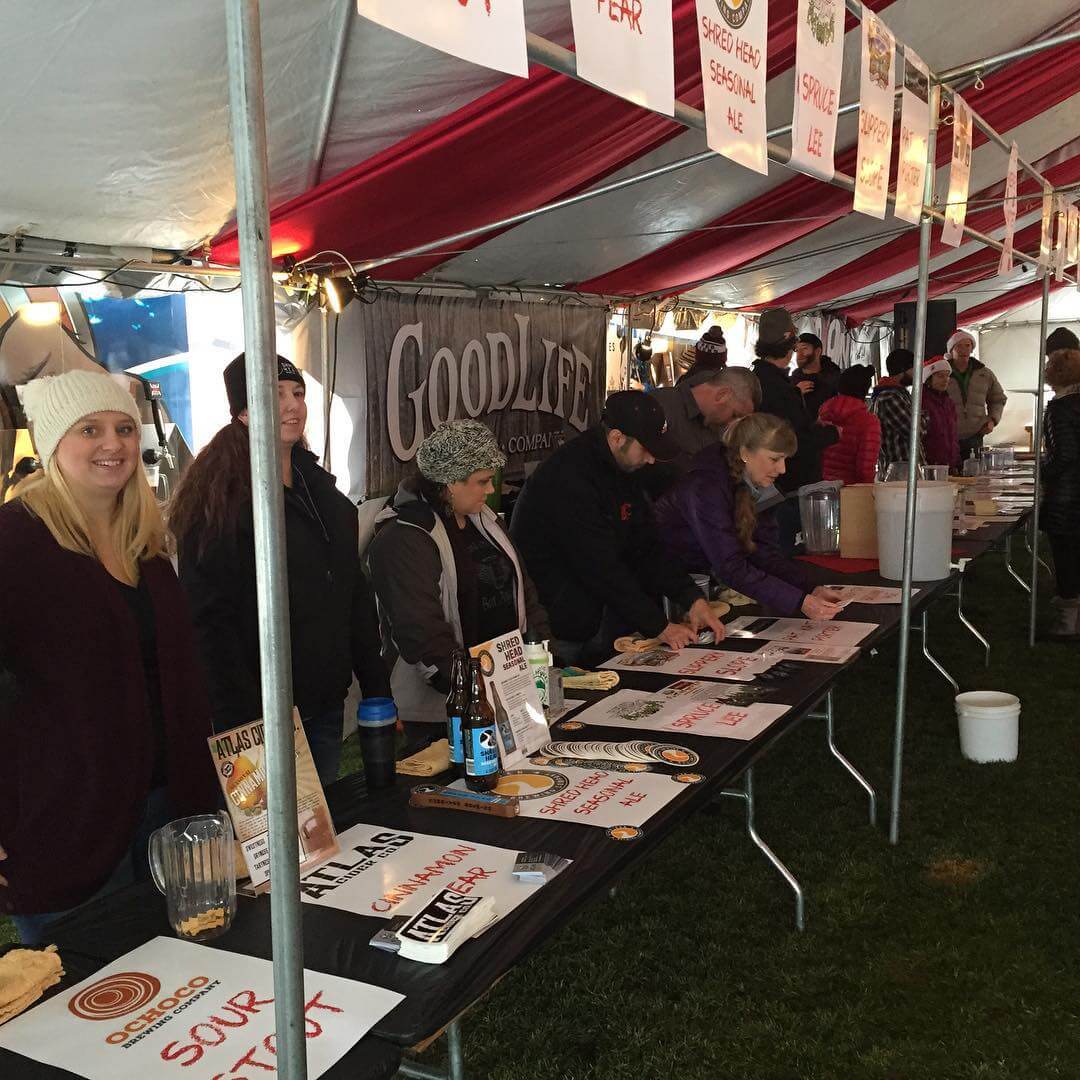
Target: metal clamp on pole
1036, 442
248, 124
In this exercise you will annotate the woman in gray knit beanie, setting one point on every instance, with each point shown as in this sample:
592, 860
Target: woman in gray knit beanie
457, 464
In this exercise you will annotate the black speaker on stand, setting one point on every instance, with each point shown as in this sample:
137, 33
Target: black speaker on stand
940, 323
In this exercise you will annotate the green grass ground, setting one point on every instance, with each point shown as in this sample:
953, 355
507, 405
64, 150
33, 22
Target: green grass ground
950, 957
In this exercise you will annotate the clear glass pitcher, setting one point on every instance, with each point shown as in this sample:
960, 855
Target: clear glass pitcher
820, 514
193, 862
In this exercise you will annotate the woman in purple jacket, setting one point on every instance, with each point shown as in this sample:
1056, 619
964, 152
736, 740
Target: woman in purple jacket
710, 520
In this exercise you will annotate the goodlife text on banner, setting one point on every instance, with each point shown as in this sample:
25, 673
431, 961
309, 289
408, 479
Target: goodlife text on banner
486, 32
952, 232
627, 47
733, 76
876, 99
914, 138
1006, 261
819, 61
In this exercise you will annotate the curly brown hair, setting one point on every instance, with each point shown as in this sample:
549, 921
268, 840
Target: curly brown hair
1063, 368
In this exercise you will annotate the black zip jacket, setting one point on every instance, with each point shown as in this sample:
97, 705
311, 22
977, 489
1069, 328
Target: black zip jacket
332, 619
590, 542
1060, 510
826, 385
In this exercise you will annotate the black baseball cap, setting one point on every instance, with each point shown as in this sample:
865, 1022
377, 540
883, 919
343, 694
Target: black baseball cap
641, 416
235, 377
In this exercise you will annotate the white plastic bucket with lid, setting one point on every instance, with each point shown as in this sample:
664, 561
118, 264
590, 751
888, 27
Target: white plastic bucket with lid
933, 529
989, 725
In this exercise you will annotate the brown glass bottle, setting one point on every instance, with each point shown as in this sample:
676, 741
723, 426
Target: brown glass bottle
457, 704
479, 736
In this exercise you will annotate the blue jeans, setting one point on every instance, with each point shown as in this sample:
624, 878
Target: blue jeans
323, 731
134, 866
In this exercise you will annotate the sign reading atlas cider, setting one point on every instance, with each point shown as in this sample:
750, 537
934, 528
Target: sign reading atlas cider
171, 1008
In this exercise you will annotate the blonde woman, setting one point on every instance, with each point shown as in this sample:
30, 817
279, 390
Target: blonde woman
103, 721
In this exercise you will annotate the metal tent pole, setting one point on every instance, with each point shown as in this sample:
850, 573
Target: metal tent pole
1036, 442
327, 382
333, 81
925, 222
248, 125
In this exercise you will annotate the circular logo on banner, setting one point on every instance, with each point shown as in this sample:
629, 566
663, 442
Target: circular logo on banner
625, 832
114, 996
529, 783
735, 12
487, 663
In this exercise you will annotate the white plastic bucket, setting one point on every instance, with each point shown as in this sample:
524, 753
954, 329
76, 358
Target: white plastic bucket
933, 529
989, 725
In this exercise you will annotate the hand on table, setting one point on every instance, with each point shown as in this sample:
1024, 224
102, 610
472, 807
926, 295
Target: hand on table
816, 607
827, 592
676, 635
702, 617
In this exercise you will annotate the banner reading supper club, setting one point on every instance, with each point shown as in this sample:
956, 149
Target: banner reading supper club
534, 373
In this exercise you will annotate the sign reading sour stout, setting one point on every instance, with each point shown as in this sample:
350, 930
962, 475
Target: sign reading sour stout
534, 373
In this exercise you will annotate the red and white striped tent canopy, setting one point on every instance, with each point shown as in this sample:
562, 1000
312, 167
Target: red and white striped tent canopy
116, 134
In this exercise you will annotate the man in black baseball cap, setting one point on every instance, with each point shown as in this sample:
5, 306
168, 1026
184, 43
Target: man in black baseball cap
589, 540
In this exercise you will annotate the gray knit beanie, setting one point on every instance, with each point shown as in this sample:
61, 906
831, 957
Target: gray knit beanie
457, 449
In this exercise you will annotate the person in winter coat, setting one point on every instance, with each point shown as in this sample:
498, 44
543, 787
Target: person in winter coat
854, 459
333, 625
941, 445
976, 393
816, 377
104, 717
891, 404
711, 525
1059, 513
446, 573
589, 538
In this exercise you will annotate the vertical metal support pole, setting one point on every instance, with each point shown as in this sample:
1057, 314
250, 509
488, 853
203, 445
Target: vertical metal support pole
1037, 442
327, 383
629, 349
248, 125
913, 467
455, 1052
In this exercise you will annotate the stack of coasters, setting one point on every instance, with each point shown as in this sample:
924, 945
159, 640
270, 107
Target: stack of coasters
433, 935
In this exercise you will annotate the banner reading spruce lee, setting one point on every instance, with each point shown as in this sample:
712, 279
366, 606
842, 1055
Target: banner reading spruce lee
952, 232
914, 138
534, 373
875, 116
486, 32
627, 47
1005, 263
733, 75
819, 61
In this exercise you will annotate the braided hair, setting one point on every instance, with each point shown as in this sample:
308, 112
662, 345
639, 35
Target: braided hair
758, 431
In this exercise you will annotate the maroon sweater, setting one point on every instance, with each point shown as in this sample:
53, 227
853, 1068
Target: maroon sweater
76, 740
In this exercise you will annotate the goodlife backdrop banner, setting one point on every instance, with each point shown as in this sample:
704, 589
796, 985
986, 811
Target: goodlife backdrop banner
533, 372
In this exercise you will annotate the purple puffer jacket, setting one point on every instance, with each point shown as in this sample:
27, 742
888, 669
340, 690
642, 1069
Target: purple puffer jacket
697, 522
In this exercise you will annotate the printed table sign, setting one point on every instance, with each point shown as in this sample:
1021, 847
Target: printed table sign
703, 663
868, 594
811, 654
819, 61
590, 796
387, 872
697, 708
801, 631
170, 1005
875, 116
914, 138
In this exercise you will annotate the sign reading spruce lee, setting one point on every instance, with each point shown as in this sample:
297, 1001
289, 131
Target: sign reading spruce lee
534, 373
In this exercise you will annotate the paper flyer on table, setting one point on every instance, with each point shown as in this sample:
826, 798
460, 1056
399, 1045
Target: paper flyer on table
801, 631
868, 594
175, 1009
703, 663
811, 654
384, 872
512, 694
694, 711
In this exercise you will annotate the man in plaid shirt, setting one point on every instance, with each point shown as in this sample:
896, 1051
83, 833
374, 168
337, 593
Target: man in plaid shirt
891, 404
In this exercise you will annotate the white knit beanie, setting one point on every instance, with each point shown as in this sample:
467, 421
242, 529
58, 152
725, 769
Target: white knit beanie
958, 336
56, 402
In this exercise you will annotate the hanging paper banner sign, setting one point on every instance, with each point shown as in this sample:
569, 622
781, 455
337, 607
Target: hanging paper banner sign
486, 32
914, 138
1072, 243
1060, 237
876, 95
819, 61
733, 75
1005, 263
1046, 238
952, 233
627, 48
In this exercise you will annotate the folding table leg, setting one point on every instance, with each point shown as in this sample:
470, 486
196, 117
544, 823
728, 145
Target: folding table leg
834, 750
1009, 566
456, 1060
747, 795
963, 618
933, 659
1027, 544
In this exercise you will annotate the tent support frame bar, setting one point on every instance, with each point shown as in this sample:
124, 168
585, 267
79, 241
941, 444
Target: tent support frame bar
1036, 445
981, 67
247, 109
330, 95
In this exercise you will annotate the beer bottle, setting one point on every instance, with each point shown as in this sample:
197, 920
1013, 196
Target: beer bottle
457, 704
479, 736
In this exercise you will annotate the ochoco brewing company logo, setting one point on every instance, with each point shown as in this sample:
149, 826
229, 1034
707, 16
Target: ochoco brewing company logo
735, 12
115, 996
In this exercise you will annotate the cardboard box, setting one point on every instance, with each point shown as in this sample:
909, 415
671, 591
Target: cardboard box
858, 522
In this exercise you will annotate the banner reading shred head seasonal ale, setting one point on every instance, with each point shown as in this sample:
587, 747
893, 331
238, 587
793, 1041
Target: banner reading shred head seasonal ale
819, 61
952, 232
627, 47
914, 138
732, 36
486, 32
876, 96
